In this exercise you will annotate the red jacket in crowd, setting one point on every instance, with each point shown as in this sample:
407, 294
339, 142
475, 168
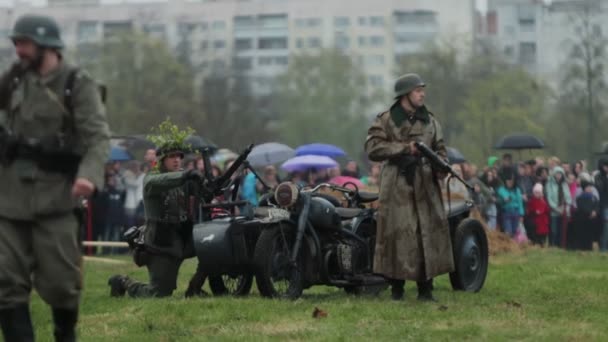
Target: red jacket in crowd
538, 210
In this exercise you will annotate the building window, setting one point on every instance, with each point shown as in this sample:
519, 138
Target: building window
509, 51
243, 63
204, 26
273, 21
527, 53
273, 60
376, 41
362, 41
416, 18
272, 43
219, 44
185, 29
314, 42
341, 21
87, 31
204, 45
155, 30
115, 28
376, 80
527, 18
219, 64
342, 42
299, 43
308, 22
243, 44
243, 22
362, 21
376, 21
375, 60
218, 25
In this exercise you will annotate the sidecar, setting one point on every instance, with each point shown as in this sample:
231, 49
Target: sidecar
225, 246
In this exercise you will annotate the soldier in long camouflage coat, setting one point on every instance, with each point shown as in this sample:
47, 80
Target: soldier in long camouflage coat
413, 239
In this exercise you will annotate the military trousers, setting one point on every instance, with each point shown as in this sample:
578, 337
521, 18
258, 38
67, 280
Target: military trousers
162, 272
44, 254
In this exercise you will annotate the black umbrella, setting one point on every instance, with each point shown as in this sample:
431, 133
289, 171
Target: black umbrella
455, 157
519, 141
198, 143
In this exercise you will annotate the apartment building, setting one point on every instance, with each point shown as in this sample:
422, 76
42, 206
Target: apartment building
540, 35
258, 37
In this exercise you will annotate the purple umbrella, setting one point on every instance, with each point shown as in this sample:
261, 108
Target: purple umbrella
320, 150
301, 163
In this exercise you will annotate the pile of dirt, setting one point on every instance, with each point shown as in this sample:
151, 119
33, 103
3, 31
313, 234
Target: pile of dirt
498, 242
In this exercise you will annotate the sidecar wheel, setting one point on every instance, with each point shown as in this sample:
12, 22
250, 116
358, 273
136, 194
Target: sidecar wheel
275, 276
470, 247
229, 285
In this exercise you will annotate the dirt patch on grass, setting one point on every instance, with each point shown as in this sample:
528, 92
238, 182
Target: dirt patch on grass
498, 242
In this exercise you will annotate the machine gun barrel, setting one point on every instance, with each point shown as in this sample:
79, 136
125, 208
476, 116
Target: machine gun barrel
220, 181
439, 163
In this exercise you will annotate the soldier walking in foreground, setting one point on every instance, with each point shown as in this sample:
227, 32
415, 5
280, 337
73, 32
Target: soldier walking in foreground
54, 141
413, 237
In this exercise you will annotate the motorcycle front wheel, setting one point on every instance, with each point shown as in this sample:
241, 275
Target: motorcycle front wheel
276, 276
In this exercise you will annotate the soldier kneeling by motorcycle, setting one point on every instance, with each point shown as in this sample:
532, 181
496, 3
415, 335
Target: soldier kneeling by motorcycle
166, 239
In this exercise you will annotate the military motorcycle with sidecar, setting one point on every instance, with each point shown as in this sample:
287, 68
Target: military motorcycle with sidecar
308, 240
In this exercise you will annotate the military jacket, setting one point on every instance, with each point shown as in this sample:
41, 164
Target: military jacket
168, 223
34, 108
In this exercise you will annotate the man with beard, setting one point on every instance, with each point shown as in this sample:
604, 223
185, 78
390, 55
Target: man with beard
54, 141
413, 237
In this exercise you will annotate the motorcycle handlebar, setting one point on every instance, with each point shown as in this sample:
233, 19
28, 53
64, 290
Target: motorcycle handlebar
333, 187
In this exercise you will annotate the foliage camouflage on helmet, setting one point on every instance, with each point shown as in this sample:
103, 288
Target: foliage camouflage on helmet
167, 137
407, 83
42, 30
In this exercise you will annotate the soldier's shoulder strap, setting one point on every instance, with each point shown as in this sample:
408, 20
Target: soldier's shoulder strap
69, 90
74, 74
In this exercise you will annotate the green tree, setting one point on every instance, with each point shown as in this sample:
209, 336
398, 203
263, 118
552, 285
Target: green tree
323, 98
505, 102
145, 84
441, 69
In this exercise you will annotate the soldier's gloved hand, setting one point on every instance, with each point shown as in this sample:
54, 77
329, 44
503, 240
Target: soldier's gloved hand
193, 174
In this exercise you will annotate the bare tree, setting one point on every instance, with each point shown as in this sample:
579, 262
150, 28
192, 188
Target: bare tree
585, 78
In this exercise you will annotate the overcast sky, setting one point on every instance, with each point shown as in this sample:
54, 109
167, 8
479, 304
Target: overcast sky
481, 4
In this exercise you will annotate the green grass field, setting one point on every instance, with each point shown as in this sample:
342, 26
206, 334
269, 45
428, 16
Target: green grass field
533, 295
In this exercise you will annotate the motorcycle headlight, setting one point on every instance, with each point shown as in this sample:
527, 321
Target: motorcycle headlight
286, 194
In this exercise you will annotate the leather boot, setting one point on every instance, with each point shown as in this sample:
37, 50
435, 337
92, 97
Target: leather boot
117, 285
425, 291
397, 289
65, 324
17, 324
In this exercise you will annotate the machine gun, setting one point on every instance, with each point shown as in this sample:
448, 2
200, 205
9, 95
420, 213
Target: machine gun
440, 164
